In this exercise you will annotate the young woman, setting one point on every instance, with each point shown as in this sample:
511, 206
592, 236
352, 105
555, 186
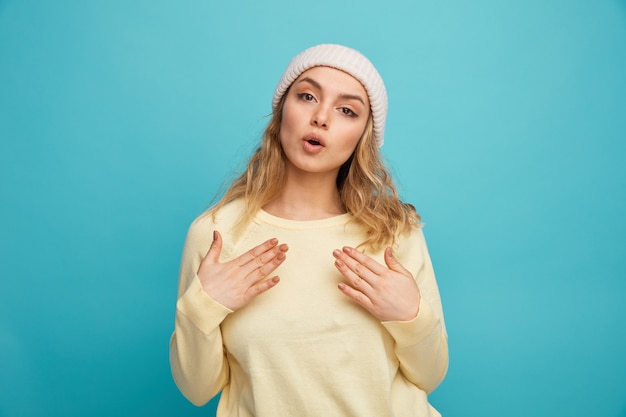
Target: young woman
307, 290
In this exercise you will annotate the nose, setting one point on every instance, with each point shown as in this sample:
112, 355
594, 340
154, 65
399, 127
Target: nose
320, 117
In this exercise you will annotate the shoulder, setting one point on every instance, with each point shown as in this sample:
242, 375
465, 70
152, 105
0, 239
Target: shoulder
413, 237
224, 219
411, 247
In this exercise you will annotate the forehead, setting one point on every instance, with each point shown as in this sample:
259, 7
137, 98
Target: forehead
334, 80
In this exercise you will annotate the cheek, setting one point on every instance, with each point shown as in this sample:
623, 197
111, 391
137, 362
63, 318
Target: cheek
287, 121
353, 137
284, 127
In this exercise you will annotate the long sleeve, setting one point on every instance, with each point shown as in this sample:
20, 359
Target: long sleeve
421, 345
279, 355
197, 357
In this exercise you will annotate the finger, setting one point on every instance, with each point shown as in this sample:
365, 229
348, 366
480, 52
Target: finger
367, 262
213, 254
364, 267
261, 287
269, 255
355, 295
268, 267
274, 255
352, 276
254, 253
393, 263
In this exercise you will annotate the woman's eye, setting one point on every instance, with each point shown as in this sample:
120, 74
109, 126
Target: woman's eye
348, 112
306, 96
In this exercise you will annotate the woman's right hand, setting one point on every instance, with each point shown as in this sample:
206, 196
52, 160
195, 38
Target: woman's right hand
234, 284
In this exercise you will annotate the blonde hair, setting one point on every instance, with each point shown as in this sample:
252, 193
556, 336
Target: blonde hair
365, 186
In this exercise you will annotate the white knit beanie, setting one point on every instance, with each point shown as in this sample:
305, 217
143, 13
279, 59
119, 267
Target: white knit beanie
347, 60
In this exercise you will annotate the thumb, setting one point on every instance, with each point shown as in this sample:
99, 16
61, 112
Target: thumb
213, 255
392, 262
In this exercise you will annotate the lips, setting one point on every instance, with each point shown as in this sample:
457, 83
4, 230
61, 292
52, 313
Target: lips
313, 144
313, 140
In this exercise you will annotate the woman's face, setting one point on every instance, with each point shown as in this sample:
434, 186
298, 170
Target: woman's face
324, 116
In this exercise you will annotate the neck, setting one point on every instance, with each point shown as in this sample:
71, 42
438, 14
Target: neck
307, 197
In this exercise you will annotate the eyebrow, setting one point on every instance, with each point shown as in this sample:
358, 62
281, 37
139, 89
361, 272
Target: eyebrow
344, 96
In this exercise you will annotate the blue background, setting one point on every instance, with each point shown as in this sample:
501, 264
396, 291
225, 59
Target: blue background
121, 120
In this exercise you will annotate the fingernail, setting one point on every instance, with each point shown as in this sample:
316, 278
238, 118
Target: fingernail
273, 241
336, 253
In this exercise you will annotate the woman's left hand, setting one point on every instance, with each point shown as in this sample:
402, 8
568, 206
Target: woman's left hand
389, 293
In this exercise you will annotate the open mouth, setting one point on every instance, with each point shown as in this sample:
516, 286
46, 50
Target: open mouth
314, 142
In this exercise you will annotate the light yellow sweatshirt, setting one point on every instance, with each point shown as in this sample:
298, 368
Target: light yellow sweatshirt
303, 348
